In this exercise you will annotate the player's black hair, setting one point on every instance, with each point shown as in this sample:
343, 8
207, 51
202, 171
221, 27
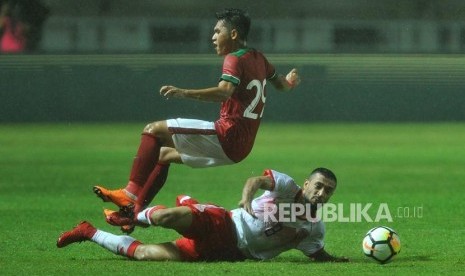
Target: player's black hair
236, 19
325, 172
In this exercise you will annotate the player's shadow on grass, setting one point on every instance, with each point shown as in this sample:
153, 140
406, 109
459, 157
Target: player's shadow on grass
416, 258
357, 259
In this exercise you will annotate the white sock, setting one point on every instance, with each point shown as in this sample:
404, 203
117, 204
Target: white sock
144, 215
114, 243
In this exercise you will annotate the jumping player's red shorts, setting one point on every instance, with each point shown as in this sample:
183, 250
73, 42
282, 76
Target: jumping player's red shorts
211, 236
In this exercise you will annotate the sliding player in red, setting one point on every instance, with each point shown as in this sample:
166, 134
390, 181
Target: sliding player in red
197, 143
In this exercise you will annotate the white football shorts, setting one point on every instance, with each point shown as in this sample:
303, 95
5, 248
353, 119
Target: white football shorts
197, 143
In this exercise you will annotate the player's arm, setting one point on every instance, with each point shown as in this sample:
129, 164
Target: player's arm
323, 256
286, 83
251, 187
220, 93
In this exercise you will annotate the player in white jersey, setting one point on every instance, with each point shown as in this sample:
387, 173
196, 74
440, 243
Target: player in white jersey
211, 233
262, 235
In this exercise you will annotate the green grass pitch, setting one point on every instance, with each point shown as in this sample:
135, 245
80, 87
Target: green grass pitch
47, 172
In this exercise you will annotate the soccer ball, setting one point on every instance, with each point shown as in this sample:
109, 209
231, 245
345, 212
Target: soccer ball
381, 244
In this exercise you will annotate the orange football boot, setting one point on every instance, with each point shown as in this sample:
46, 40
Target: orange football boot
119, 197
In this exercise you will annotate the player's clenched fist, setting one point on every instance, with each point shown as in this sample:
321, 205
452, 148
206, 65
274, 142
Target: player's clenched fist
293, 78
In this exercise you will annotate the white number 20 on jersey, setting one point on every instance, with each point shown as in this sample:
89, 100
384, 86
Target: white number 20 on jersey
259, 96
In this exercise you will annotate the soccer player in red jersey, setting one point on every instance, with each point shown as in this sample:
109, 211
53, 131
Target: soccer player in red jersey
197, 143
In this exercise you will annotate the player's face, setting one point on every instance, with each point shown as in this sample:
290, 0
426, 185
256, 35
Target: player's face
222, 38
318, 189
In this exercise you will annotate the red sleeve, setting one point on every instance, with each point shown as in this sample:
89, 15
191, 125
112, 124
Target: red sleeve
270, 70
231, 69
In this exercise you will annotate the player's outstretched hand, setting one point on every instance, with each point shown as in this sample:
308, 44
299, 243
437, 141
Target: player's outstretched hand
323, 256
170, 91
247, 207
339, 259
293, 78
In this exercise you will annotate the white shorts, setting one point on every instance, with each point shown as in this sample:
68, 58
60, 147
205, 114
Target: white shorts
197, 143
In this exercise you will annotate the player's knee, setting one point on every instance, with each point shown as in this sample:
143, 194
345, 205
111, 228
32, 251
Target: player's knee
160, 131
152, 128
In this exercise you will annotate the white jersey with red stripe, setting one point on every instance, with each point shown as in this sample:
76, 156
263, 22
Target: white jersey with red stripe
259, 238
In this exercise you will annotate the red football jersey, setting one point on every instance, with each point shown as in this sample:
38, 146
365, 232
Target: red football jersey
240, 115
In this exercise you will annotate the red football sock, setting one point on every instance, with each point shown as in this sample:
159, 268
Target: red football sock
132, 249
157, 178
152, 186
144, 163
